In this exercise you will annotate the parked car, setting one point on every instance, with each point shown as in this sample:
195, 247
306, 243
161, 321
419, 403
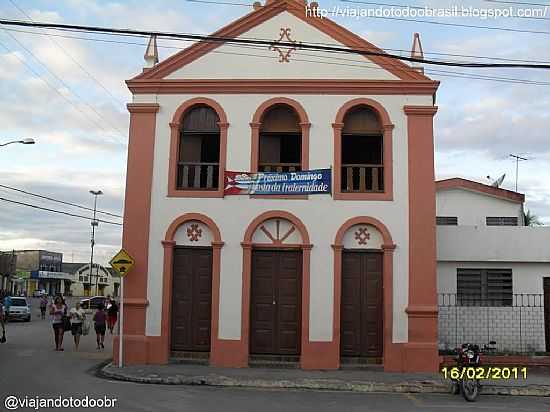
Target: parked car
38, 293
19, 309
93, 302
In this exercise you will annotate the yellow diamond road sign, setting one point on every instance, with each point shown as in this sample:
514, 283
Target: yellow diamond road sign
122, 262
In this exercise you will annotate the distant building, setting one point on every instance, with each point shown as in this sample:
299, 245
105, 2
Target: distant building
7, 269
42, 270
108, 281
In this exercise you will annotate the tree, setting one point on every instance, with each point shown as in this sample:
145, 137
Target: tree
531, 219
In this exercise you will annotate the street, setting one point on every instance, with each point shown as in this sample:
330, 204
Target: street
30, 368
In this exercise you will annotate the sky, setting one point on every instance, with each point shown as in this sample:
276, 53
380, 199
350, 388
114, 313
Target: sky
69, 95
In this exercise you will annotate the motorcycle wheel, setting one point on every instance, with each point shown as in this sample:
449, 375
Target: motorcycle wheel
470, 389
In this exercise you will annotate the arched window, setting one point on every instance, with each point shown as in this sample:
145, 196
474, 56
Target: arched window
280, 140
199, 150
362, 162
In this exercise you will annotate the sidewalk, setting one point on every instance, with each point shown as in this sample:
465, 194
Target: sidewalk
536, 384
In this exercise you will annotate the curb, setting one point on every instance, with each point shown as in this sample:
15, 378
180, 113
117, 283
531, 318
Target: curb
110, 372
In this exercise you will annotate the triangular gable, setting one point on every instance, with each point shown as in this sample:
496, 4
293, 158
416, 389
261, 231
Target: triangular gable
399, 69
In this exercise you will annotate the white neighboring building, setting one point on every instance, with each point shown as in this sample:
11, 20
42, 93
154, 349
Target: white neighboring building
85, 285
493, 272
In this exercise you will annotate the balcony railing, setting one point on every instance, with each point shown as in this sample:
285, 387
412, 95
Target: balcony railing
279, 167
362, 178
197, 175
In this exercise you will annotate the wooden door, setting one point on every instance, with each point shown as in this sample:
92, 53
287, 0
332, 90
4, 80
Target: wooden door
275, 303
546, 284
361, 304
191, 299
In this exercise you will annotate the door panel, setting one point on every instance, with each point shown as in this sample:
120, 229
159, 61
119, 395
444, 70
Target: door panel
547, 311
191, 299
275, 304
361, 305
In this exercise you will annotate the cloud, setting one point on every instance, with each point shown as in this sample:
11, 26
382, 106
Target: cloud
28, 228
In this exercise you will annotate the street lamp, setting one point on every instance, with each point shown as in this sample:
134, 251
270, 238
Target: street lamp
94, 223
24, 141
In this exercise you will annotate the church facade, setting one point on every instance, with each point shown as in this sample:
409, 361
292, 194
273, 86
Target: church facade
320, 279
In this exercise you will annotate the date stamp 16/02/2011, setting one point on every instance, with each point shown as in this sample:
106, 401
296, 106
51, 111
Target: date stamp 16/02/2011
484, 372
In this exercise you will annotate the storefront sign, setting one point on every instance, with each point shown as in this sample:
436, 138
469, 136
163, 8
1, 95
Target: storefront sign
44, 274
273, 183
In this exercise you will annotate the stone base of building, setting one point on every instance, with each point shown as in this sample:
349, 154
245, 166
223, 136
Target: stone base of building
398, 357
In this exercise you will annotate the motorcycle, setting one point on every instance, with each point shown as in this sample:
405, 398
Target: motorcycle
468, 359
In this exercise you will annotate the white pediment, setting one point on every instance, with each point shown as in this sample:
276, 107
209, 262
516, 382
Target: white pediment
235, 61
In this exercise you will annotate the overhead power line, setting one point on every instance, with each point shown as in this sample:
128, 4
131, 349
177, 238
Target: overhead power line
63, 83
221, 39
57, 211
405, 6
435, 53
518, 3
58, 201
70, 56
51, 86
336, 60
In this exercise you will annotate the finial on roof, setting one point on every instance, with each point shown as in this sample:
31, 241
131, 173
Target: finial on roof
417, 53
257, 5
151, 55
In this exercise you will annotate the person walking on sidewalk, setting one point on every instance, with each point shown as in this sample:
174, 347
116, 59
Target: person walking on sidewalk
77, 319
7, 304
100, 319
3, 336
58, 310
43, 306
112, 312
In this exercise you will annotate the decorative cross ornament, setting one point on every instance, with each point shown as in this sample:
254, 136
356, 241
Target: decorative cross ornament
362, 235
284, 51
194, 232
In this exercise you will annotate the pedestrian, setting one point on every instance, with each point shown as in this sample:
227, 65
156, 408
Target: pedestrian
100, 318
43, 306
58, 311
3, 337
7, 305
78, 317
112, 312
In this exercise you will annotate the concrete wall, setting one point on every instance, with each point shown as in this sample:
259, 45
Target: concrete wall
28, 259
515, 329
472, 208
493, 243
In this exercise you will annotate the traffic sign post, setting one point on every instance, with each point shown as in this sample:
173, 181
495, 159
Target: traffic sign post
122, 262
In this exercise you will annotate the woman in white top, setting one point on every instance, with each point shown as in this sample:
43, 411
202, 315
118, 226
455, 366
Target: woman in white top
77, 318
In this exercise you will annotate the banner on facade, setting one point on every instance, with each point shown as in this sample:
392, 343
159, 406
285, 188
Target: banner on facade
306, 182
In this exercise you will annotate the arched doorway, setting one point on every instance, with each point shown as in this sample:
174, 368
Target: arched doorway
276, 283
192, 261
363, 302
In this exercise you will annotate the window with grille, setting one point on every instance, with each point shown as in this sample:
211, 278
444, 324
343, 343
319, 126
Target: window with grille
446, 220
502, 221
484, 287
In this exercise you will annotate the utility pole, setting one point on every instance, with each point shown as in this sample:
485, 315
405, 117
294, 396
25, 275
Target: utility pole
94, 223
518, 159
